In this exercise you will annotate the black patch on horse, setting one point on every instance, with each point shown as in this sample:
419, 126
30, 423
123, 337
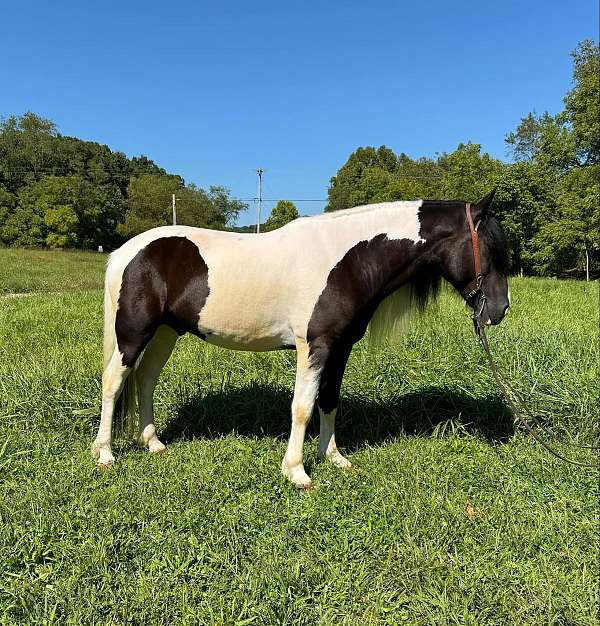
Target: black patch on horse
165, 283
368, 272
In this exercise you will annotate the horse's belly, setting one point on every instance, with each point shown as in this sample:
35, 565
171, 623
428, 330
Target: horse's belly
254, 344
240, 327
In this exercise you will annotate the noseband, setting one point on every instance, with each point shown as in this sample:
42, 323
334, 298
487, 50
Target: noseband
475, 293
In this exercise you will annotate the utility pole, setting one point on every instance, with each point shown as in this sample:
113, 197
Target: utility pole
174, 211
259, 171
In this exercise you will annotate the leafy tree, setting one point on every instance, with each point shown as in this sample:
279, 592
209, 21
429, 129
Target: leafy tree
542, 139
560, 231
400, 189
377, 175
523, 192
60, 191
149, 204
61, 221
27, 149
8, 203
24, 227
466, 173
283, 212
569, 238
362, 176
226, 209
547, 199
582, 103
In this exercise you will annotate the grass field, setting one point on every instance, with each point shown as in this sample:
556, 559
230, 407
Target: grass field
48, 271
449, 518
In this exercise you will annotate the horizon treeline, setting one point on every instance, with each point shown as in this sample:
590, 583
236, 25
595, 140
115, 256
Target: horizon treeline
547, 198
63, 192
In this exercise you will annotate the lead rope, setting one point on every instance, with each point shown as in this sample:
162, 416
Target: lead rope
521, 421
504, 387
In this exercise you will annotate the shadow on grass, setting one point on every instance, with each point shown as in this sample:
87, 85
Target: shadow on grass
261, 410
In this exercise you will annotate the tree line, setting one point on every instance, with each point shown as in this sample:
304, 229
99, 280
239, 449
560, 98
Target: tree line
60, 191
547, 197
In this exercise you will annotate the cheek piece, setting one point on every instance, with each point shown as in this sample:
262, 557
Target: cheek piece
473, 293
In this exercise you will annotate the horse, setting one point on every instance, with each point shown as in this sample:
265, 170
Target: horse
313, 286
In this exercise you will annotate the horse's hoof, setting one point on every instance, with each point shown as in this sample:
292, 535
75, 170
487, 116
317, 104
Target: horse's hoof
341, 461
156, 447
297, 475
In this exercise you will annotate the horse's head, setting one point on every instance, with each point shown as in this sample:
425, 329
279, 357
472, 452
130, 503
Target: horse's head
456, 258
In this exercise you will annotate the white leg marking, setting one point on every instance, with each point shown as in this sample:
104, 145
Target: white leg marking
305, 392
113, 378
153, 360
327, 446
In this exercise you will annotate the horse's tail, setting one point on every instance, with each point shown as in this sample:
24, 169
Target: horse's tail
125, 412
110, 314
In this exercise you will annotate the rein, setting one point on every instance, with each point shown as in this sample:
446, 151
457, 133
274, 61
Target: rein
477, 295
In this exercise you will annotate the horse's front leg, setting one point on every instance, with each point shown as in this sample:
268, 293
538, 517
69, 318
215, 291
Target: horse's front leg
328, 400
305, 392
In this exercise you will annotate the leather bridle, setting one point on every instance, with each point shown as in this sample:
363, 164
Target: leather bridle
475, 290
476, 296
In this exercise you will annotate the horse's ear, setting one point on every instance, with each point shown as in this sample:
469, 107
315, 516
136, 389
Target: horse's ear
481, 209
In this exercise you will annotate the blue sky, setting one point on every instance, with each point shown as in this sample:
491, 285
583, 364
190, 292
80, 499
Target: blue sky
213, 90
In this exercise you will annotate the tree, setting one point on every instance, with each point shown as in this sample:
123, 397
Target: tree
364, 174
377, 175
569, 238
8, 204
524, 192
582, 103
542, 139
563, 151
62, 191
400, 189
283, 212
61, 221
467, 174
27, 149
149, 204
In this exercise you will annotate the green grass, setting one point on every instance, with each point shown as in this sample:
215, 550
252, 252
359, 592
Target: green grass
211, 533
31, 271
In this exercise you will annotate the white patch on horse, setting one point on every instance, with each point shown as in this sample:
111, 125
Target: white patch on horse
327, 446
305, 393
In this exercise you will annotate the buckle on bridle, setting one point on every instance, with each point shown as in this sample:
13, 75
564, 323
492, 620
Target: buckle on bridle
478, 304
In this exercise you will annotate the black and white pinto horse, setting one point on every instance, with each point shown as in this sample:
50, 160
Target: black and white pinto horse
313, 286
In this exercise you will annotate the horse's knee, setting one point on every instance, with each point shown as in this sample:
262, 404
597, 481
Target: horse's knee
301, 413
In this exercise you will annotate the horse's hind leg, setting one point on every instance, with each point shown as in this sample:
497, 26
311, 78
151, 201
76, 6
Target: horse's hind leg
113, 379
147, 372
305, 391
